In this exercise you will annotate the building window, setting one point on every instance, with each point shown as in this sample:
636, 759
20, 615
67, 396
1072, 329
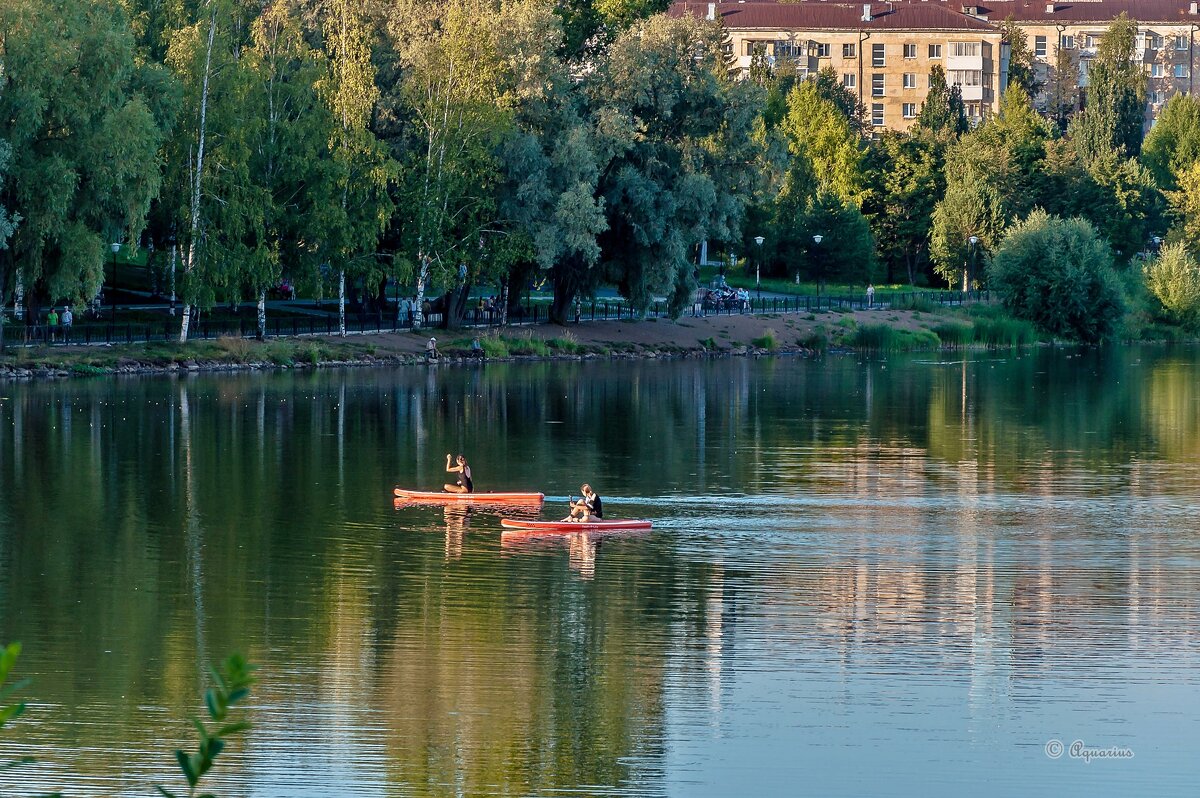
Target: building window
877, 114
910, 110
788, 50
1181, 42
1089, 41
1067, 42
910, 80
822, 49
848, 80
849, 50
964, 49
1156, 70
965, 77
910, 51
1039, 46
1181, 70
1153, 41
877, 84
935, 51
877, 55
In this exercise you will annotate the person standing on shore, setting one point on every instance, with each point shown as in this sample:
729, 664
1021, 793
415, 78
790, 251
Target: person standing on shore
870, 295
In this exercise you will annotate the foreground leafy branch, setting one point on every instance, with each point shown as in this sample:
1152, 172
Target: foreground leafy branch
233, 682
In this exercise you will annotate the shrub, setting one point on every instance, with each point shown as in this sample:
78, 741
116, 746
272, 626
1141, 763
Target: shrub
1174, 280
566, 343
768, 340
884, 338
817, 339
921, 303
954, 333
708, 344
528, 345
1004, 331
239, 348
494, 346
1057, 273
88, 370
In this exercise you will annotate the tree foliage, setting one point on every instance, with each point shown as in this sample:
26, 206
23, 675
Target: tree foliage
1022, 70
77, 109
943, 109
1115, 114
1058, 274
1173, 144
1173, 277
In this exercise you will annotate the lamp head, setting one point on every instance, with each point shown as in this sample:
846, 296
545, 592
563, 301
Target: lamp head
115, 247
758, 240
817, 238
974, 240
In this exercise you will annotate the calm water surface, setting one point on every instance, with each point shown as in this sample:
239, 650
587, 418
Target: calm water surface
891, 577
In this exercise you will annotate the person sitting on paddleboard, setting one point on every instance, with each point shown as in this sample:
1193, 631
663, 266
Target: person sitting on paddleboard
587, 508
463, 483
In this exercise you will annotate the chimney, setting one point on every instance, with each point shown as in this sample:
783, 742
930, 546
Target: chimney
712, 12
1050, 8
1194, 8
866, 17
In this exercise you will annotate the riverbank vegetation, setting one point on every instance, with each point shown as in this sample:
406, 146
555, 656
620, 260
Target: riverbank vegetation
341, 147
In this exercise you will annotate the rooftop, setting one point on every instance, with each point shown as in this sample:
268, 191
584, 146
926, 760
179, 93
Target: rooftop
933, 14
817, 14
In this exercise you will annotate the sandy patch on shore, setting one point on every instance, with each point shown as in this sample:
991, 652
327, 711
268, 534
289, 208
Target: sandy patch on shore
726, 332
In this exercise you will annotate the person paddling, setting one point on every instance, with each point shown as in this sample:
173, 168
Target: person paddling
589, 507
463, 482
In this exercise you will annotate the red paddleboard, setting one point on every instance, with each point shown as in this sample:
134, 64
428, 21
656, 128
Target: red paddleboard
445, 497
567, 526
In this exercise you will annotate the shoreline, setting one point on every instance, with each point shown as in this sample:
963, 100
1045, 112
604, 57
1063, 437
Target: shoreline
787, 335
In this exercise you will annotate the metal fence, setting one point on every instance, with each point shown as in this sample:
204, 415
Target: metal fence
100, 333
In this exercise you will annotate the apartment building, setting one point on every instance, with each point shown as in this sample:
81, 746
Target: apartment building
1064, 37
884, 51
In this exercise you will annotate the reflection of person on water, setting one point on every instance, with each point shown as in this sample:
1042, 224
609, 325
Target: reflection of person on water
588, 507
462, 483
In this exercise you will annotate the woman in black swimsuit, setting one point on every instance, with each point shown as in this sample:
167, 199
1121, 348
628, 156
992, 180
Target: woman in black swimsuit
463, 483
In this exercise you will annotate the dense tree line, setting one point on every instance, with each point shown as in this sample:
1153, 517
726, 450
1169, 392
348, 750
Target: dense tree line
449, 144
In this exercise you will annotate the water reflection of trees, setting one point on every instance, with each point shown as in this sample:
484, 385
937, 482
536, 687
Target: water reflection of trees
264, 522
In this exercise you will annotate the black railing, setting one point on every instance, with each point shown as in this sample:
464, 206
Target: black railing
93, 333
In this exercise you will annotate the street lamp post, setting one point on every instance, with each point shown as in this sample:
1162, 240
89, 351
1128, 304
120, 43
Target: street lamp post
115, 249
758, 267
816, 240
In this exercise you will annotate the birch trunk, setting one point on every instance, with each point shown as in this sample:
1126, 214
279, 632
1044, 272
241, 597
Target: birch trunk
262, 314
342, 302
419, 310
195, 209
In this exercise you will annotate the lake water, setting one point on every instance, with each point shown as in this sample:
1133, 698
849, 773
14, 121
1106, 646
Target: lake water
899, 576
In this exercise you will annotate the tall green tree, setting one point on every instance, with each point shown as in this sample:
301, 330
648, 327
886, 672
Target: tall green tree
589, 26
1062, 85
1185, 208
969, 209
452, 93
1173, 144
818, 130
908, 173
84, 144
1114, 117
943, 109
550, 161
354, 216
8, 221
676, 130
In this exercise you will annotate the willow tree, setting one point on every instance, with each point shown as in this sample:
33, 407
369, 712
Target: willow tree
549, 160
676, 131
357, 208
76, 114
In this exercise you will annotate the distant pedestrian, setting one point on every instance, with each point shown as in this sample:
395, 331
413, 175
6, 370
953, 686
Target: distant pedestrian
870, 296
431, 350
52, 323
67, 319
